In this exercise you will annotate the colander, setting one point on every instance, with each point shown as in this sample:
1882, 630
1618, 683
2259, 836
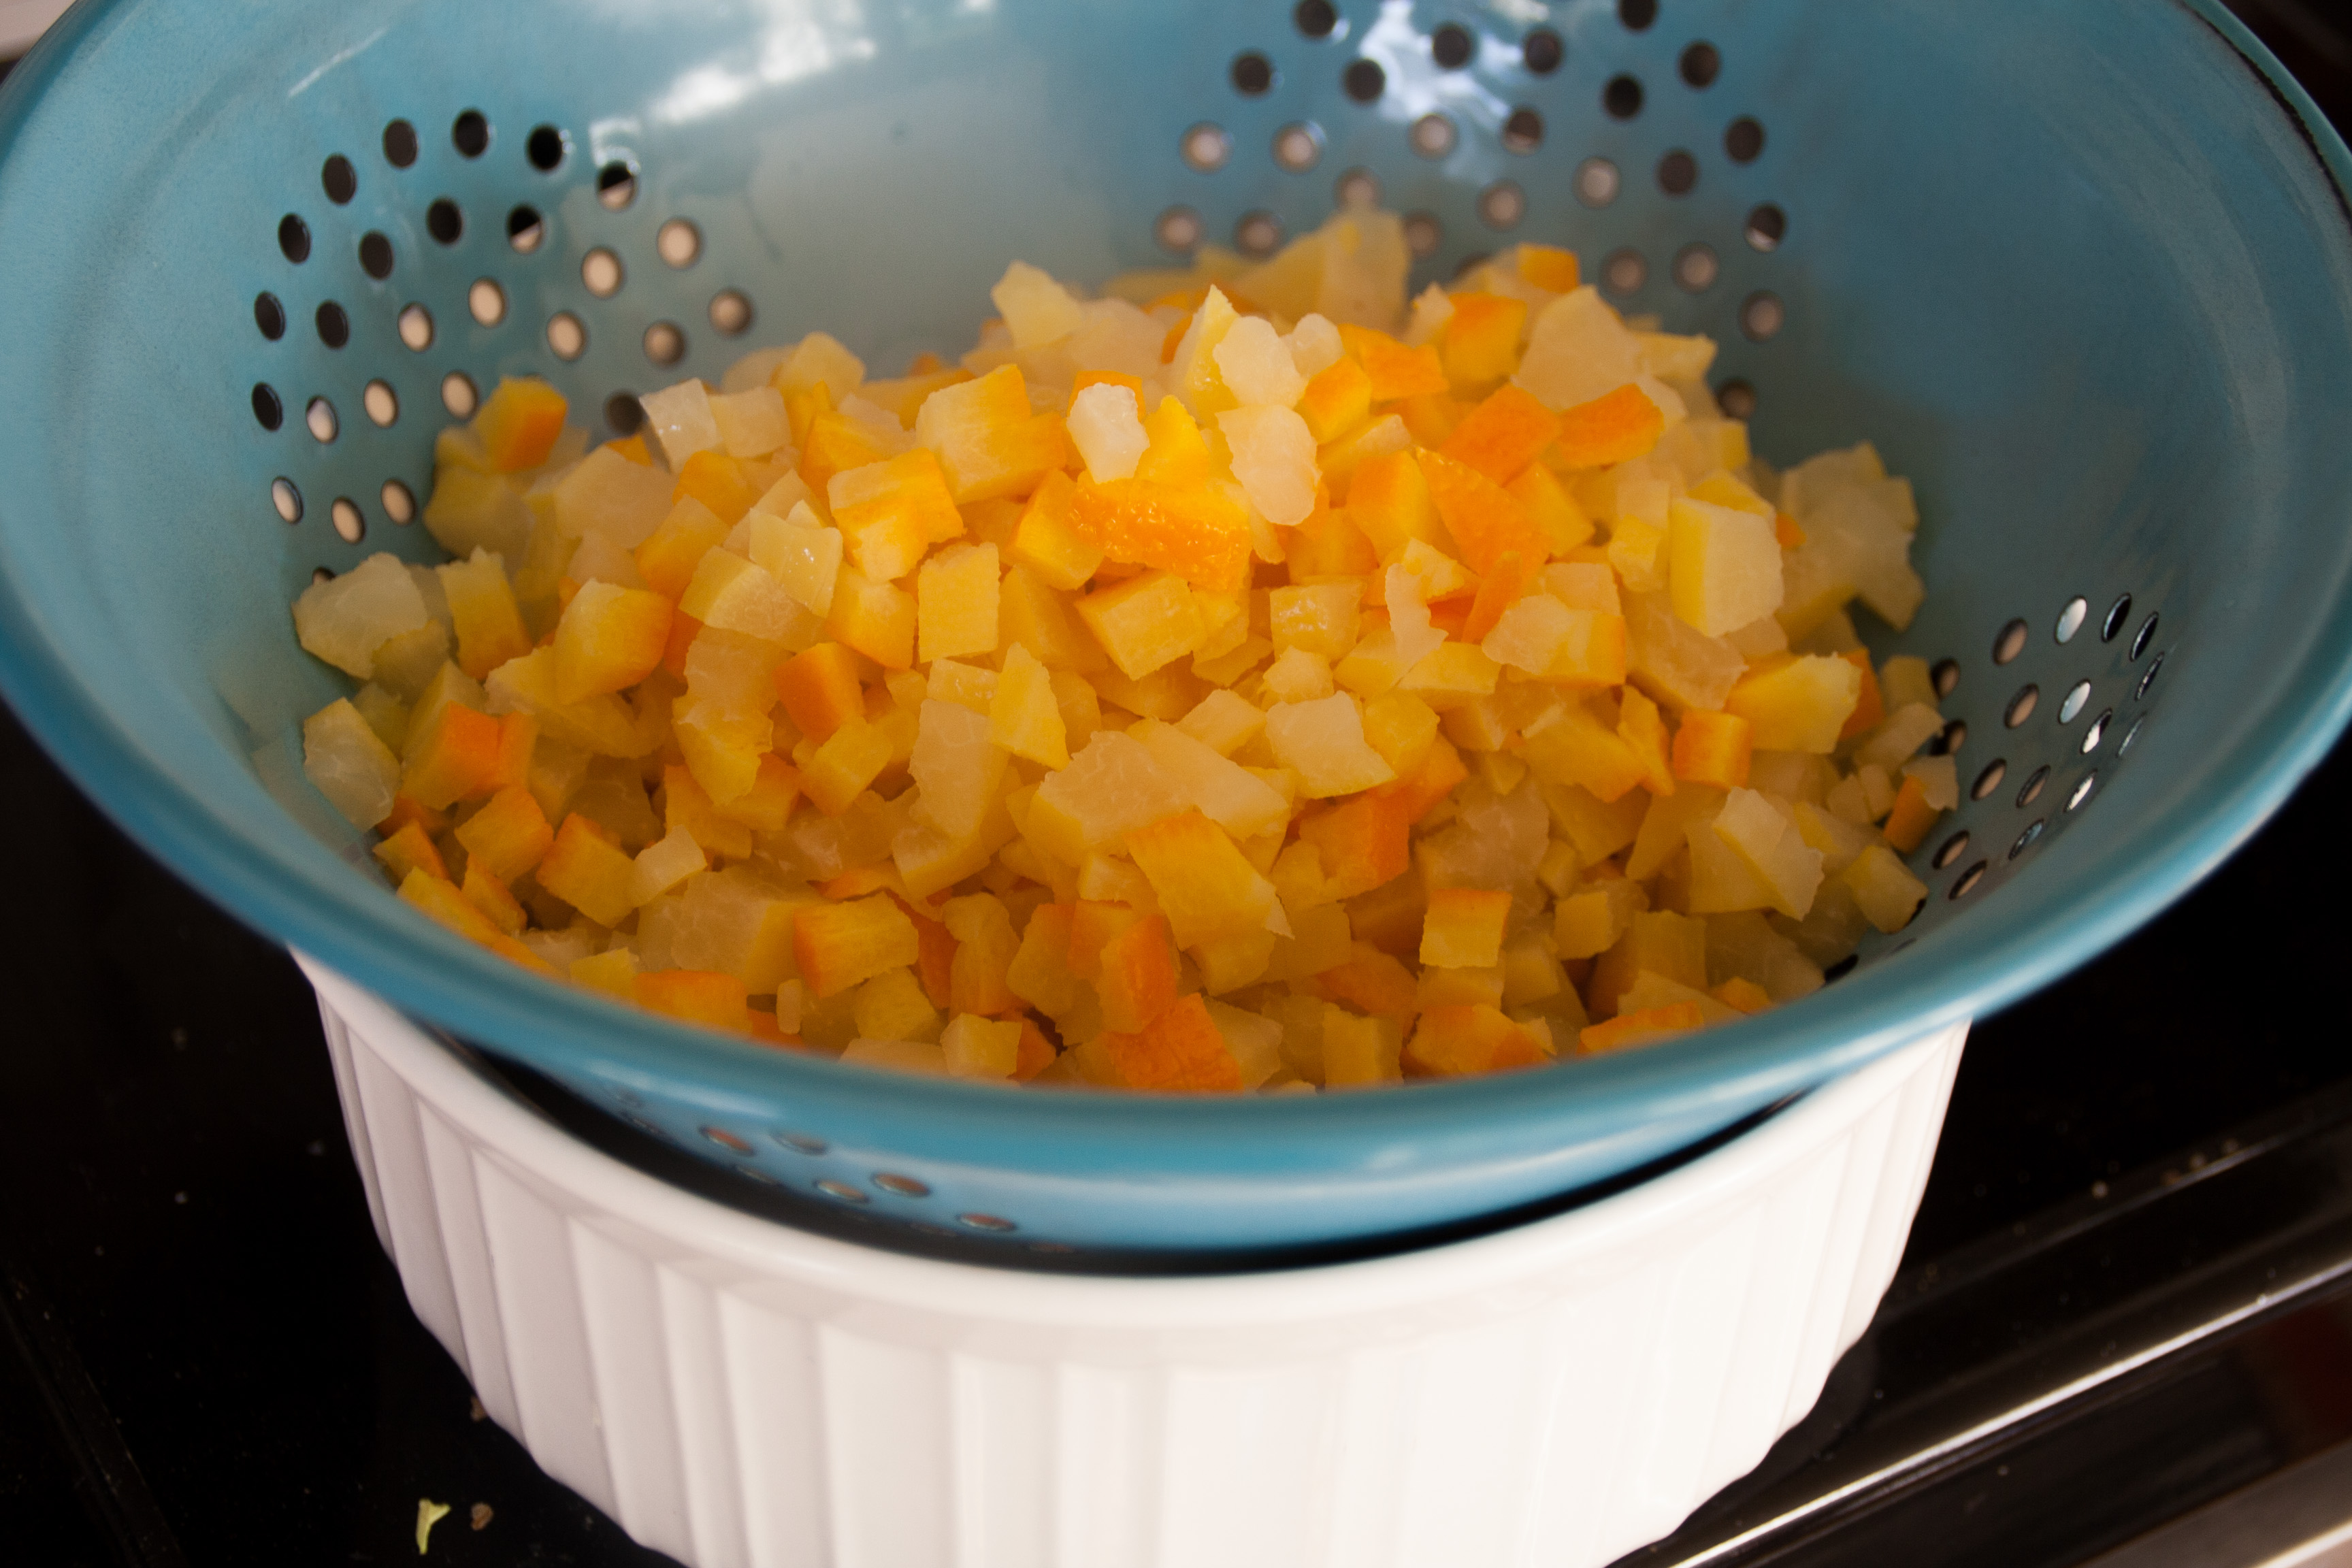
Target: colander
2081, 272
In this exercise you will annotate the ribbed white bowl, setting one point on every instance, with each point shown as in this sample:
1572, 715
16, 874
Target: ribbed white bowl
732, 1391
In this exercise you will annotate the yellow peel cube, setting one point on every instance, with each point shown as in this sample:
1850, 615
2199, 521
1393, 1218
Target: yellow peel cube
1144, 623
1023, 716
1323, 743
955, 603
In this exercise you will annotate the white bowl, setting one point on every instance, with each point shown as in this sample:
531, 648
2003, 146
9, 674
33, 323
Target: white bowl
733, 1391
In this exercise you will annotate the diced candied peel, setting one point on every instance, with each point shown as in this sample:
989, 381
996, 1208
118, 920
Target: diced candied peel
945, 717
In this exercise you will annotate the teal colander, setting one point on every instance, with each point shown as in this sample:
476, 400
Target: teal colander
2080, 271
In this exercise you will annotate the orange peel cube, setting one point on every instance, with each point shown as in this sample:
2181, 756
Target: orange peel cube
518, 423
1396, 371
1198, 533
1048, 539
1907, 823
1464, 927
820, 690
1504, 434
840, 945
1388, 500
609, 639
835, 443
1640, 1028
710, 997
878, 619
670, 554
1364, 842
1181, 1051
767, 804
587, 871
719, 482
1144, 623
1336, 399
1548, 266
1205, 887
1641, 729
1481, 341
1616, 428
1484, 519
508, 836
1136, 975
1713, 749
1870, 707
456, 755
1371, 982
1464, 1039
411, 848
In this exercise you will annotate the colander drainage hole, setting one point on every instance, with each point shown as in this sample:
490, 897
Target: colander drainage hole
320, 574
1989, 780
1523, 131
458, 394
487, 301
2072, 703
399, 143
416, 328
2149, 678
1433, 136
2083, 790
727, 1141
267, 408
1541, 51
679, 242
1965, 883
1357, 188
1761, 316
2098, 732
2071, 618
470, 134
1695, 269
2030, 790
2118, 613
1841, 969
566, 337
334, 326
2130, 735
600, 273
2142, 638
665, 343
730, 312
525, 230
1299, 147
545, 147
1743, 140
1451, 47
376, 255
1624, 273
2009, 643
1622, 98
1257, 233
383, 404
902, 1186
1597, 182
1949, 739
294, 238
1252, 74
1766, 227
616, 186
1678, 174
351, 524
1946, 676
800, 1144
2025, 840
987, 1222
1737, 398
339, 179
1177, 229
624, 413
2021, 706
843, 1190
1951, 851
1206, 148
1315, 18
399, 503
287, 500
320, 417
269, 316
1701, 63
1423, 233
1363, 80
1502, 204
445, 221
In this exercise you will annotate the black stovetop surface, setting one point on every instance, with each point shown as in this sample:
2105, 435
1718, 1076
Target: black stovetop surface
204, 1357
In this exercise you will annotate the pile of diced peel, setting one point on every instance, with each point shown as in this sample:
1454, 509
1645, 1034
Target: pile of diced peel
1242, 680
